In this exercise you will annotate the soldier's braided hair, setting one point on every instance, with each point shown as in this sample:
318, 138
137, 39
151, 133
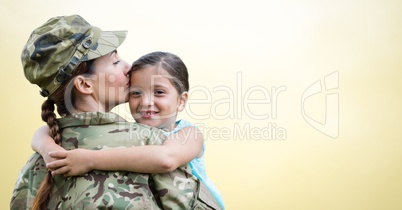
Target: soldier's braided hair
49, 117
57, 98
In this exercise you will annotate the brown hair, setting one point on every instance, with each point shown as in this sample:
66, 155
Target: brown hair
57, 98
169, 62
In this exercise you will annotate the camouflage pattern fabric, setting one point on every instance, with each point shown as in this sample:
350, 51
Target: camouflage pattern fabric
111, 189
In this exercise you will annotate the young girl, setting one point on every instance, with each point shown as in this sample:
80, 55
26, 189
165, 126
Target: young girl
159, 90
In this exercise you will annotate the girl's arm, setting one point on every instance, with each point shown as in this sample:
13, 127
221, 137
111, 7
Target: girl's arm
177, 150
43, 143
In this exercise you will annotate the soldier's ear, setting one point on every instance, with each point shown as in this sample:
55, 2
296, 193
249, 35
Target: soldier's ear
83, 84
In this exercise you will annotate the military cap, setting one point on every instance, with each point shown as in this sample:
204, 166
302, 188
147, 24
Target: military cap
55, 49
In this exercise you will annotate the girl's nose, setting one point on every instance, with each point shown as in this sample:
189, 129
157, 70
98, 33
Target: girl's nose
147, 99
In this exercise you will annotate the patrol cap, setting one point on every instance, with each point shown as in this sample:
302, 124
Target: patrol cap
55, 49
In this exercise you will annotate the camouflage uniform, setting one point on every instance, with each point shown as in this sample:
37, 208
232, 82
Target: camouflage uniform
111, 189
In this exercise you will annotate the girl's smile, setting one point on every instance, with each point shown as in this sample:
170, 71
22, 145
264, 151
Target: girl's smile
148, 114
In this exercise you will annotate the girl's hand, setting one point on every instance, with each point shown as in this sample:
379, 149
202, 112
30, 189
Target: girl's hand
70, 163
46, 155
43, 143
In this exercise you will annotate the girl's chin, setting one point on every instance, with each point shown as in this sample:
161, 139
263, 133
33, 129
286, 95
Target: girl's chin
147, 121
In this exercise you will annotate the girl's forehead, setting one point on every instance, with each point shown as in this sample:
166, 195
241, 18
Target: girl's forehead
153, 70
152, 73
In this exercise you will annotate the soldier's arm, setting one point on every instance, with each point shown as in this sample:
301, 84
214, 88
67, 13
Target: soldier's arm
177, 150
43, 143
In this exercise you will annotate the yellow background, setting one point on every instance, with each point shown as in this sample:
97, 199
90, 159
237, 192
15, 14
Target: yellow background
262, 44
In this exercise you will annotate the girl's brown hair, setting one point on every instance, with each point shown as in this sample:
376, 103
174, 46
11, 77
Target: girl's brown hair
57, 98
169, 62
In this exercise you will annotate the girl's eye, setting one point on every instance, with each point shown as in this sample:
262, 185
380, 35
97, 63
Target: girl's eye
117, 62
135, 93
159, 92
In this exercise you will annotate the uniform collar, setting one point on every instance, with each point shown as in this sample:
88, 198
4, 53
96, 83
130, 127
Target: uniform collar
89, 118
